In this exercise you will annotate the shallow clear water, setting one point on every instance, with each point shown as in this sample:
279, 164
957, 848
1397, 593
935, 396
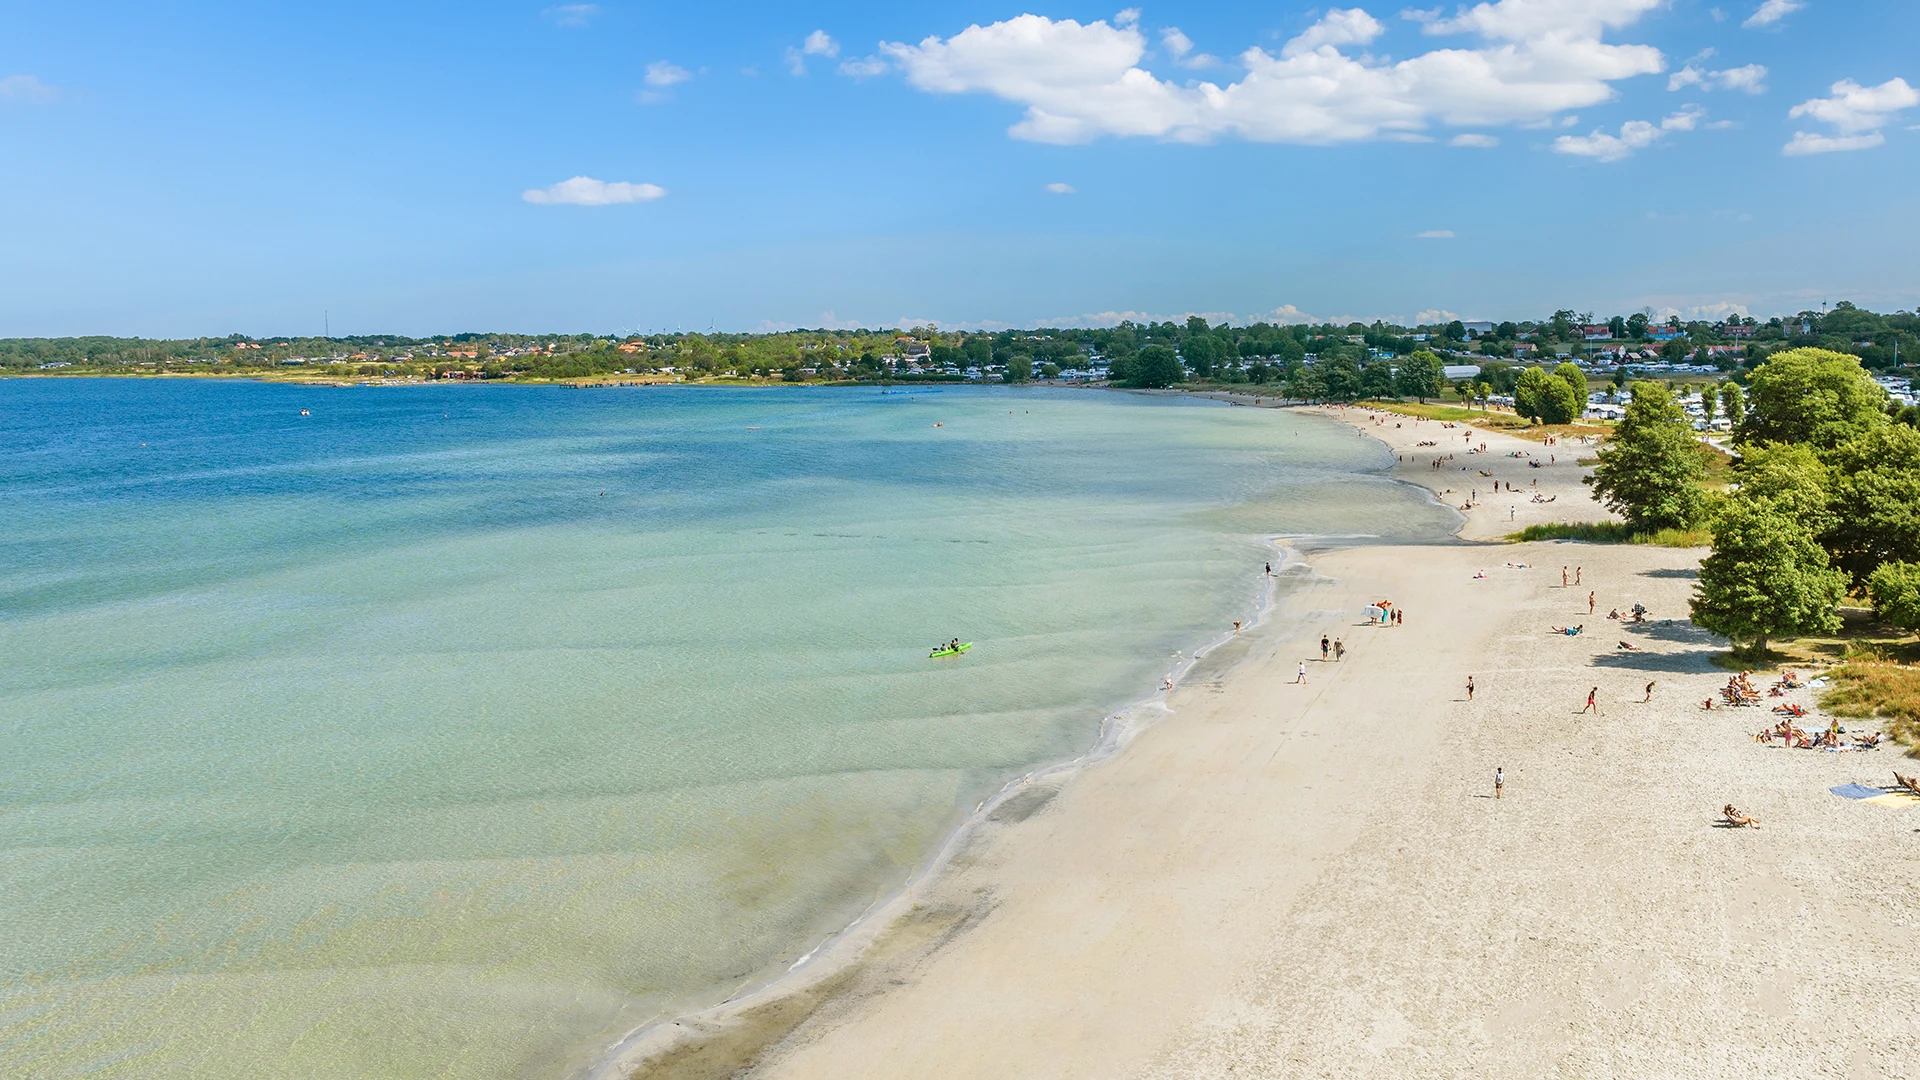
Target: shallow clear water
454, 731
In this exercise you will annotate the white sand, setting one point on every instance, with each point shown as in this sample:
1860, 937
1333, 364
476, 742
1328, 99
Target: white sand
1284, 880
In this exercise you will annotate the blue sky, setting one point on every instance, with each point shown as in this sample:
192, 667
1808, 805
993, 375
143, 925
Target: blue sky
209, 168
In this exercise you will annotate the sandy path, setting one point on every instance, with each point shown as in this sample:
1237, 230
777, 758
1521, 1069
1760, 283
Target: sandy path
1279, 880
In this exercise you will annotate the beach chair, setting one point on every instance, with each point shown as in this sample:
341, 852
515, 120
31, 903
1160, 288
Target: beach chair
1737, 819
1908, 783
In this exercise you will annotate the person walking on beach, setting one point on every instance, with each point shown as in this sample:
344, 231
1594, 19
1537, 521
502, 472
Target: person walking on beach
1563, 577
1301, 678
1269, 569
1649, 696
1324, 647
1590, 596
1499, 781
1339, 650
1591, 704
1469, 688
1576, 577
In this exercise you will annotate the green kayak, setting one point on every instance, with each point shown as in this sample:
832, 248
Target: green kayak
937, 653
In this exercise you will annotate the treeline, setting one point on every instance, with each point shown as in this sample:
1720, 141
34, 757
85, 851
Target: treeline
1325, 361
1825, 499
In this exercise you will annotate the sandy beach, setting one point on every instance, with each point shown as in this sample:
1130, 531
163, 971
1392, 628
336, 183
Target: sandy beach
1288, 879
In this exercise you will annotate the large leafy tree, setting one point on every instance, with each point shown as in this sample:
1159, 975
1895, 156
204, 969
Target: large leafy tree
1794, 478
1421, 376
1733, 403
1376, 380
1545, 397
1340, 376
1767, 577
1650, 473
1875, 499
1895, 588
1811, 396
1156, 366
1574, 377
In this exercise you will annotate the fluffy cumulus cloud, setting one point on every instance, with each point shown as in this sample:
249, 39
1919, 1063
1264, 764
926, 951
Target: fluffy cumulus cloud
26, 88
1750, 79
1062, 189
1856, 113
1770, 12
1529, 61
818, 43
1634, 135
1474, 140
586, 191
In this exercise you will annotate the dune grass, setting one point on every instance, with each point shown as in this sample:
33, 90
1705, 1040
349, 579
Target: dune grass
1878, 691
1614, 532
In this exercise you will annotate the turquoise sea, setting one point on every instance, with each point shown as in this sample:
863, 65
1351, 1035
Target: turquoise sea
456, 731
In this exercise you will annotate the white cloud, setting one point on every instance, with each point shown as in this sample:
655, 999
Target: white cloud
27, 88
1180, 47
1434, 234
1634, 135
819, 43
1719, 14
1772, 11
1062, 189
1079, 82
1751, 78
1476, 141
586, 191
864, 69
1856, 113
572, 14
1435, 315
662, 73
1804, 143
1350, 27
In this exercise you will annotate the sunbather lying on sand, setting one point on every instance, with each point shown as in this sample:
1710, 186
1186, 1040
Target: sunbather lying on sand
1570, 631
1629, 646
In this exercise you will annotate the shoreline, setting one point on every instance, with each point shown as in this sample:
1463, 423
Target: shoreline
657, 1043
1279, 880
658, 1047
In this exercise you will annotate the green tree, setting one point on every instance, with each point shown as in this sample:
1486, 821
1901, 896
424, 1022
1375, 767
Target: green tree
1157, 366
1875, 499
1650, 473
1895, 588
1793, 478
1421, 376
1577, 379
1198, 352
1546, 398
1020, 369
1811, 396
1376, 380
1306, 383
1529, 393
1766, 578
1709, 397
1340, 375
1733, 403
1482, 391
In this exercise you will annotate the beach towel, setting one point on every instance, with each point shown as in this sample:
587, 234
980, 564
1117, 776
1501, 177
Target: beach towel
1856, 791
1893, 800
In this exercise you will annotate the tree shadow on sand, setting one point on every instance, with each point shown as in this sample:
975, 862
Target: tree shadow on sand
1684, 633
1687, 574
1678, 663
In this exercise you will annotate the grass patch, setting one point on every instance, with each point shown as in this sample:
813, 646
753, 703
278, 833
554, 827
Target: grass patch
1489, 419
1614, 532
1878, 691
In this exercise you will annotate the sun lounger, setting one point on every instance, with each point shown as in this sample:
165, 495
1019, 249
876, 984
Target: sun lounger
1737, 819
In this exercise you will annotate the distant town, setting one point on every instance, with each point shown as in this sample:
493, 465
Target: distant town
1301, 360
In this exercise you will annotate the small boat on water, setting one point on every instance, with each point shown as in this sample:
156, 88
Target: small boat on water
950, 650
